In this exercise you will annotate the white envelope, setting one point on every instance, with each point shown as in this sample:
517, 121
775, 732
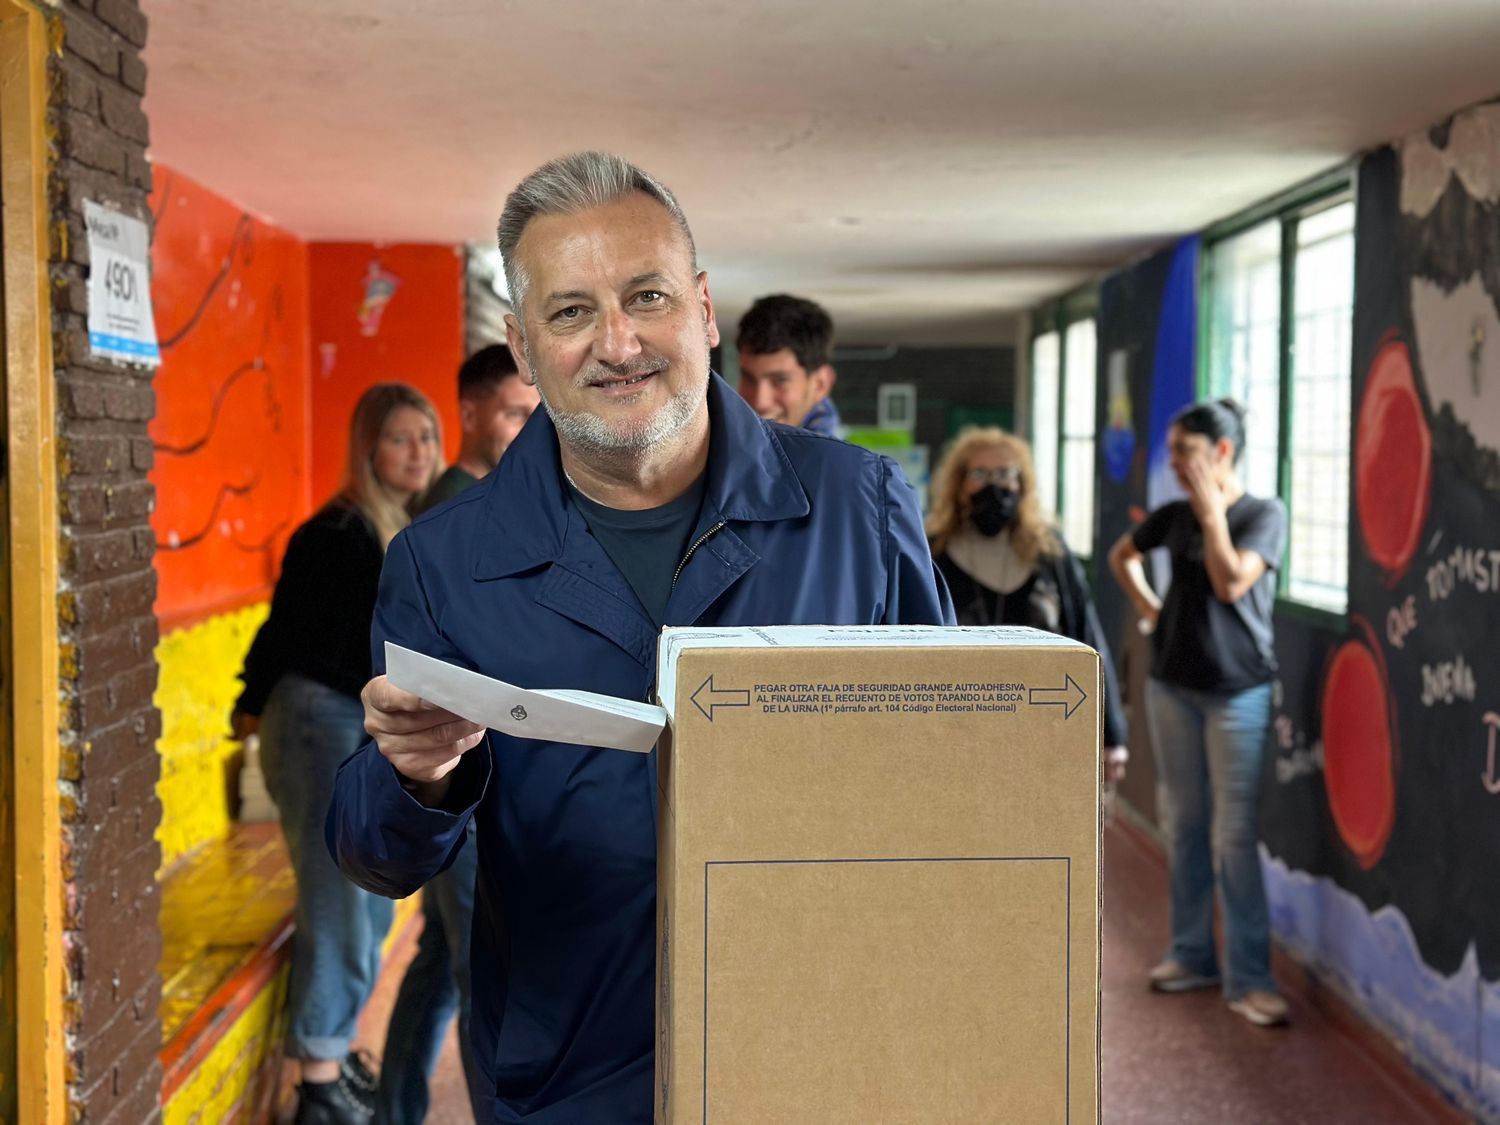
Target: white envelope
580, 717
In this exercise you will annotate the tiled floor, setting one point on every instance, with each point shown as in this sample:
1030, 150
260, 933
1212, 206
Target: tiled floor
1166, 1058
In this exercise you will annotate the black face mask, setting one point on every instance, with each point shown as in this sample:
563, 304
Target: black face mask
993, 509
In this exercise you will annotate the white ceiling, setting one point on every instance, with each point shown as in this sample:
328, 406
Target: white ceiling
921, 168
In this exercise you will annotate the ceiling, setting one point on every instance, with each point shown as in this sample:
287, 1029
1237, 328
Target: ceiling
924, 169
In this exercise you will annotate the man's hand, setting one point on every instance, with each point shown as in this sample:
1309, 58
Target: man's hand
423, 742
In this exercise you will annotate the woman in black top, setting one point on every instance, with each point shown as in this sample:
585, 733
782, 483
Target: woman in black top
303, 677
1005, 564
1209, 702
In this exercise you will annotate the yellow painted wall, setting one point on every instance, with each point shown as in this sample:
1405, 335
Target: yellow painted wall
197, 685
229, 1074
222, 1080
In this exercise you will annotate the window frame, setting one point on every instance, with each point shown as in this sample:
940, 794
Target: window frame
1057, 316
1289, 209
1046, 329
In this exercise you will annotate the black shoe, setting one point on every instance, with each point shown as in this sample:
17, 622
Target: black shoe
359, 1076
331, 1103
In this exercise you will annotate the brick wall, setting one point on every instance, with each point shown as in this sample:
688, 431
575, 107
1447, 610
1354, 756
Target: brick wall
107, 628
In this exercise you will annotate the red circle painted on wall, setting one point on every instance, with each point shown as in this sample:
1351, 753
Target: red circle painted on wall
1392, 460
1359, 754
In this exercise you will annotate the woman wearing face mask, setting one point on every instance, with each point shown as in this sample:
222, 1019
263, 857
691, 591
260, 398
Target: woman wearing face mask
1209, 702
303, 677
1004, 563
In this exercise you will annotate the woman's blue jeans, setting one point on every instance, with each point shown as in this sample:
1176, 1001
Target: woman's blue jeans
1208, 750
306, 731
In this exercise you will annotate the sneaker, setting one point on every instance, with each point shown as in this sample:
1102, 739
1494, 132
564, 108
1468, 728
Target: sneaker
1262, 1008
330, 1103
357, 1072
1174, 976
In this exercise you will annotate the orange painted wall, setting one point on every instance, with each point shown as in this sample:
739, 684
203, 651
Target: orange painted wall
413, 335
230, 295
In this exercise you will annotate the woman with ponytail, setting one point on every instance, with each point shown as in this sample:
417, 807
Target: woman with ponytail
1208, 702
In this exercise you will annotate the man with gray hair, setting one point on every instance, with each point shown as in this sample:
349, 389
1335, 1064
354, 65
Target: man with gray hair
647, 494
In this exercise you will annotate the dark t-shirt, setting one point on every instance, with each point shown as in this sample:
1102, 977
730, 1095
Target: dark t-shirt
1201, 642
453, 481
646, 545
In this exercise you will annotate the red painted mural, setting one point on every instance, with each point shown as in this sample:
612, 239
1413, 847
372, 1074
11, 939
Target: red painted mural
231, 427
1393, 460
380, 313
267, 342
1359, 753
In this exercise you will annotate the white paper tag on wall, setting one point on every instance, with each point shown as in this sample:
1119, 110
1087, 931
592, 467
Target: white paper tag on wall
120, 319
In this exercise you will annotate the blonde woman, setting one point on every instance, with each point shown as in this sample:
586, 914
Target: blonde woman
303, 676
1005, 563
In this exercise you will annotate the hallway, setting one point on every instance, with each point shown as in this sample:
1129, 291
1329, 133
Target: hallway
1166, 1058
225, 225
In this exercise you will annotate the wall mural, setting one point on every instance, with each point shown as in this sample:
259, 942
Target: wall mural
380, 312
230, 432
1147, 337
1381, 810
1383, 826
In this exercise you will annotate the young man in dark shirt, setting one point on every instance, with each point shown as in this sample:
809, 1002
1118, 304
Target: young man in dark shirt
786, 363
494, 402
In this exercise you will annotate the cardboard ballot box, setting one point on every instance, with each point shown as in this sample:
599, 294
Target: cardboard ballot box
878, 877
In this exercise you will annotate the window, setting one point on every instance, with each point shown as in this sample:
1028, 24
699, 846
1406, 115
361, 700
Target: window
1322, 319
1080, 380
1064, 404
1046, 384
1244, 342
1278, 324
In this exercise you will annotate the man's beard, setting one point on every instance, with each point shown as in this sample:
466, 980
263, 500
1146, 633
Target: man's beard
591, 433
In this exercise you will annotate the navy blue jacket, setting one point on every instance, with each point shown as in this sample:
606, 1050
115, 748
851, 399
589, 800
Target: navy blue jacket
796, 528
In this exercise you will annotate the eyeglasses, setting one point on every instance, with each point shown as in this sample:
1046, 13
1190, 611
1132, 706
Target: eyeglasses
1010, 476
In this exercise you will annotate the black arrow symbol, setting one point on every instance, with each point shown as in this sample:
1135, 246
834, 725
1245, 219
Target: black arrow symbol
714, 698
1069, 696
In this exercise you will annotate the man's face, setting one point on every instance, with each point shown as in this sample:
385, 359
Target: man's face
779, 388
617, 326
491, 421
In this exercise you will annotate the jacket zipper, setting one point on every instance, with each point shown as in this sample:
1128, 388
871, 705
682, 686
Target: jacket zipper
696, 544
